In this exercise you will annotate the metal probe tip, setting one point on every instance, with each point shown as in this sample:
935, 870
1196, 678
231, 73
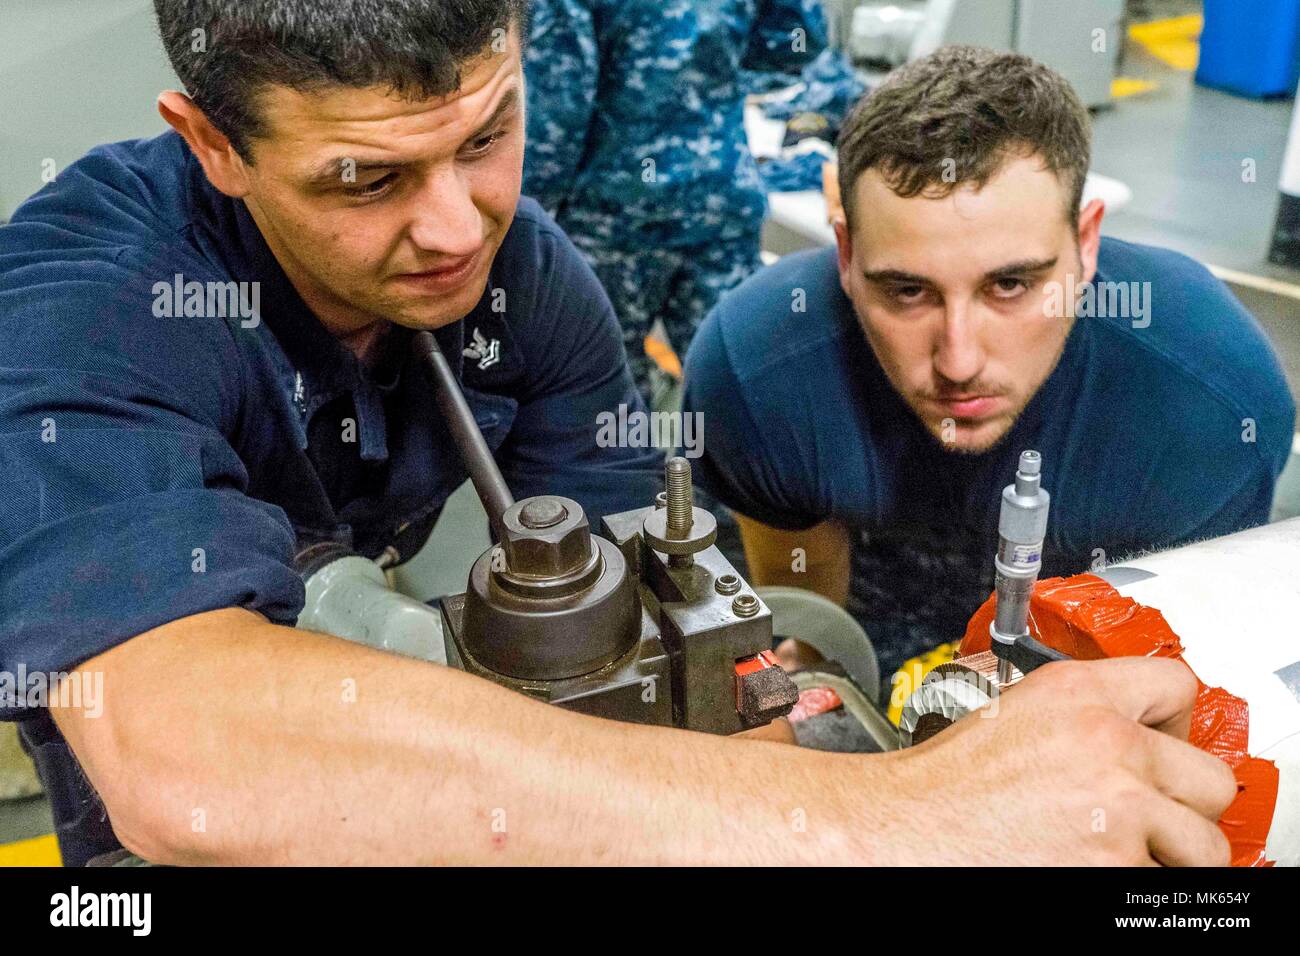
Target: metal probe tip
1028, 474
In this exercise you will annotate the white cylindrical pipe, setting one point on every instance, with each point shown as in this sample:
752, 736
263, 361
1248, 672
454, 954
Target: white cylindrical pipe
1234, 603
1291, 159
1286, 233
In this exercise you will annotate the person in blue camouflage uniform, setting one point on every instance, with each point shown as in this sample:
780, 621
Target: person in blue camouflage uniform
636, 144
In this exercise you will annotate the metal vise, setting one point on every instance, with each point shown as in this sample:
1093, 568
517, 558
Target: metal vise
648, 623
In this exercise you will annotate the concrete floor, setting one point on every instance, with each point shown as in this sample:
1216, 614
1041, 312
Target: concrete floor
1181, 149
24, 819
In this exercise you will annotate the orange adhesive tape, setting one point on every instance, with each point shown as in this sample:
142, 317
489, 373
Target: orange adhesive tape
1085, 617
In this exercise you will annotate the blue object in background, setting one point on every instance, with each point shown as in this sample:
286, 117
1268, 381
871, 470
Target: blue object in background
793, 174
1251, 47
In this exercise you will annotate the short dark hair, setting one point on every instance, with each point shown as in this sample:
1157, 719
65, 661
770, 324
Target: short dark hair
956, 116
227, 51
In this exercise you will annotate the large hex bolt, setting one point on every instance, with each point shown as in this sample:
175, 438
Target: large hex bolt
680, 529
548, 548
562, 604
544, 511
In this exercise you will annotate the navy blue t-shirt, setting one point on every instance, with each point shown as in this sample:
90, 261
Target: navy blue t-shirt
155, 465
1151, 436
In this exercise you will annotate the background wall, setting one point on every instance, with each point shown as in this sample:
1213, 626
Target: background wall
111, 69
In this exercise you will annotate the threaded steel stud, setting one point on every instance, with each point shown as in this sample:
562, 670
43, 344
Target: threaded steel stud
681, 497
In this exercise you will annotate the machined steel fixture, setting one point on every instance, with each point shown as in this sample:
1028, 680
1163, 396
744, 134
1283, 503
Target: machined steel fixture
967, 684
645, 622
550, 601
680, 529
1022, 527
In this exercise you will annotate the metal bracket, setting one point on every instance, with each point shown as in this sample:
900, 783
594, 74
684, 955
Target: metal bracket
1027, 653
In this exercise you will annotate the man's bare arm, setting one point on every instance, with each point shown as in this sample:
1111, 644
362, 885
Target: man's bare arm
770, 553
294, 747
226, 739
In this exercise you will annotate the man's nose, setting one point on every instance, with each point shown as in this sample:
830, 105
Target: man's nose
445, 219
959, 355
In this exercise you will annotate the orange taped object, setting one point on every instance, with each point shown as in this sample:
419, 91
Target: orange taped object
662, 354
1220, 725
1086, 618
758, 662
1257, 782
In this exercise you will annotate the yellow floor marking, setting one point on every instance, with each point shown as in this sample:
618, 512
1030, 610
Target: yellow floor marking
1123, 86
1175, 41
41, 851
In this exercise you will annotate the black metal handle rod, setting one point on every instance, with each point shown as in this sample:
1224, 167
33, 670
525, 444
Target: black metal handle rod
483, 471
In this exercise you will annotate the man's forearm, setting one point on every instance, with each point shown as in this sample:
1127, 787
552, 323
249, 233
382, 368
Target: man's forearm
816, 559
226, 739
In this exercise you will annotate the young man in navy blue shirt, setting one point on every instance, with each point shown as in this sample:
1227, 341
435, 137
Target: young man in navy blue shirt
867, 404
169, 438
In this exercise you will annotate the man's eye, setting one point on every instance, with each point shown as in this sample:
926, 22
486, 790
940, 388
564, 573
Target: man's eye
1009, 288
481, 144
907, 294
372, 189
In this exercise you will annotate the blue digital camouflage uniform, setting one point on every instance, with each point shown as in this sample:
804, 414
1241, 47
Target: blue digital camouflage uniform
636, 144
